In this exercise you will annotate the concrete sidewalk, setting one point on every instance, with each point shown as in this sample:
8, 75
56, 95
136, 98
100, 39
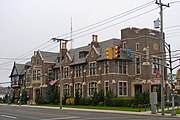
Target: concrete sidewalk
147, 113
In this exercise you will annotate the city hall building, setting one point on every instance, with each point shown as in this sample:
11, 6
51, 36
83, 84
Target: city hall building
86, 69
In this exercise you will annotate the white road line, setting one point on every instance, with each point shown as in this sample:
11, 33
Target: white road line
8, 116
61, 118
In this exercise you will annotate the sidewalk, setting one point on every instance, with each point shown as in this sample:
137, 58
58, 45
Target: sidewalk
147, 113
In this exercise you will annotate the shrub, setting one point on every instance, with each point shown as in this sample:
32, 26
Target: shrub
40, 100
77, 98
97, 97
15, 101
108, 99
70, 101
122, 102
141, 99
85, 101
56, 101
101, 104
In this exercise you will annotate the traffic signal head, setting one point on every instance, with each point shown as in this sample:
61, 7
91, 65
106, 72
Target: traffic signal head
109, 53
116, 52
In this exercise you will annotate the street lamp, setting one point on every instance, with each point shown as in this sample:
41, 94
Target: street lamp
60, 89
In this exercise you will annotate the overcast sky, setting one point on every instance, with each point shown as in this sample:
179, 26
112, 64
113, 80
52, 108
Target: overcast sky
27, 24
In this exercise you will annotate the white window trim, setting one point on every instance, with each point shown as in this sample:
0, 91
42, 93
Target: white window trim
95, 68
68, 72
69, 89
88, 87
105, 86
123, 68
136, 65
124, 45
105, 67
75, 88
126, 89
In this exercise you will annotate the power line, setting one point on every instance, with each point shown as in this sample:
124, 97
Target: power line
108, 20
118, 23
113, 17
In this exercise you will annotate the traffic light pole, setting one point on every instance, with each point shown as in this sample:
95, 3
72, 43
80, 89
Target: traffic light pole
162, 41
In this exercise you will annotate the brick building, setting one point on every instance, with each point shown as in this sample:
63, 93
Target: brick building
87, 70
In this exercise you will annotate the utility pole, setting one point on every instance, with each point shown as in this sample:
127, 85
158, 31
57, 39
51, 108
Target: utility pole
162, 41
60, 78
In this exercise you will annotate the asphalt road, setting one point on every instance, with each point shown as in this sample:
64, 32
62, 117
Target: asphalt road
31, 113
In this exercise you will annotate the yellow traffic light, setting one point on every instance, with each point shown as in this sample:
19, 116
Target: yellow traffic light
109, 53
116, 52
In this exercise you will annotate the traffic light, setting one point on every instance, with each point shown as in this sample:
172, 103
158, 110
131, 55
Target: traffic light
173, 87
116, 52
109, 53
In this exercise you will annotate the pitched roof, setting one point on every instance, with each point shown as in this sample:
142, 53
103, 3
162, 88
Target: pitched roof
20, 68
74, 54
49, 56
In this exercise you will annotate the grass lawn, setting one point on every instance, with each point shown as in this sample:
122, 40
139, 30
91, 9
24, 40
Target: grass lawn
99, 107
177, 111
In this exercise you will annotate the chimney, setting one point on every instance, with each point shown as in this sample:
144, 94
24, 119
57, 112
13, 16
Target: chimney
63, 48
95, 41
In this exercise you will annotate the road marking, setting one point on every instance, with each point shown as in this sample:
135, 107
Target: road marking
8, 116
62, 118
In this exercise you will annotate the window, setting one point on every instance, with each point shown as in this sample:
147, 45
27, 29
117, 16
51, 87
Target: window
124, 45
66, 90
38, 74
106, 87
137, 46
66, 72
56, 75
106, 67
28, 78
156, 64
137, 65
78, 88
92, 88
83, 54
37, 61
122, 67
122, 88
92, 68
34, 75
78, 70
50, 74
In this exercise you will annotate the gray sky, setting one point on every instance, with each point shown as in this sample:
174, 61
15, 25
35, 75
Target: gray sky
26, 24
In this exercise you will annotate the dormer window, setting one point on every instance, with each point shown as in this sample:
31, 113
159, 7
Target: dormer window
83, 54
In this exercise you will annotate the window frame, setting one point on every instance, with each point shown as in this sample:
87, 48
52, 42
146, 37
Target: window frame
92, 68
124, 88
92, 88
137, 64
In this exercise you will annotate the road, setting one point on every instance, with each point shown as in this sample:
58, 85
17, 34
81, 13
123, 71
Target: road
32, 113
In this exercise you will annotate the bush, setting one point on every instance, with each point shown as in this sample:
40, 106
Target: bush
97, 97
70, 101
56, 101
40, 100
15, 101
122, 102
85, 101
108, 99
77, 98
140, 99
